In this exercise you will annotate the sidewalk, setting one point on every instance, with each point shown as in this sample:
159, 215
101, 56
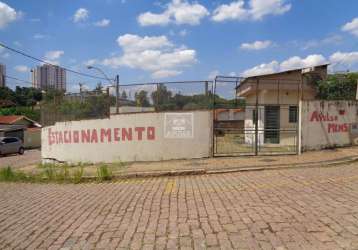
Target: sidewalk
244, 163
223, 164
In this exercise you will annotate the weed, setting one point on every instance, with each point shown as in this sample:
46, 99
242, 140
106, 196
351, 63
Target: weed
7, 174
78, 174
49, 172
104, 173
62, 174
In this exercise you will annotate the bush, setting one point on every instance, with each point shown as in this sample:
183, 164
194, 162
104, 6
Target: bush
26, 111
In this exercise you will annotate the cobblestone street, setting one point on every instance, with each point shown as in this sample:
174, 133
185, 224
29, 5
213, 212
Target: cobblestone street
313, 208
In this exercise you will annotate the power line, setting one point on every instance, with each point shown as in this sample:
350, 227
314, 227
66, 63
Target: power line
25, 81
43, 61
17, 79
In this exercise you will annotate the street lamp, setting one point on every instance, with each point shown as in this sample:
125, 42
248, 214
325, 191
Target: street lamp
102, 72
116, 84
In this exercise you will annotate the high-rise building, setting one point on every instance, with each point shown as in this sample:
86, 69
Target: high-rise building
2, 75
49, 77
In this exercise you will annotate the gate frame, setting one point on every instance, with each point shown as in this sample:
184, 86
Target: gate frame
237, 81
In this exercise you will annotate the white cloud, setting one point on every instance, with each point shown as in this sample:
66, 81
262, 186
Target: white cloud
257, 45
338, 60
295, 62
134, 43
333, 39
261, 8
7, 15
348, 59
298, 62
183, 33
165, 73
155, 54
351, 27
90, 62
150, 19
178, 12
213, 74
265, 68
232, 11
39, 36
53, 56
22, 68
256, 10
81, 15
102, 23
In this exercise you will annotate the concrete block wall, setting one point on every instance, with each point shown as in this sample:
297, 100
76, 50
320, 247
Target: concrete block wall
131, 137
327, 124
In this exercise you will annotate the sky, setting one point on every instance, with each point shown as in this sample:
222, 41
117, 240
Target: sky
146, 41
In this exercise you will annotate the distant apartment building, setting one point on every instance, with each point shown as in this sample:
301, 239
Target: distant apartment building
49, 77
2, 75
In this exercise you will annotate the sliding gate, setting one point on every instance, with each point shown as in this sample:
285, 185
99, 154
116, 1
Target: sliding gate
244, 128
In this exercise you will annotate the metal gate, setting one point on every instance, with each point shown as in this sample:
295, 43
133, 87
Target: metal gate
244, 128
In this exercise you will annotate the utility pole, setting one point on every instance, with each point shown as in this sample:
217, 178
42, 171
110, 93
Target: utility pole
117, 94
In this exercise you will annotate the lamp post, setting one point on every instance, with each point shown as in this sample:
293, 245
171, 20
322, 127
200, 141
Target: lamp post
116, 84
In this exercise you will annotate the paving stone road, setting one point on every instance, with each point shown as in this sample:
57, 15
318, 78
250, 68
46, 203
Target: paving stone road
31, 157
281, 209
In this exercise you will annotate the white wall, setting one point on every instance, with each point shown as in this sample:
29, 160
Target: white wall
327, 123
155, 137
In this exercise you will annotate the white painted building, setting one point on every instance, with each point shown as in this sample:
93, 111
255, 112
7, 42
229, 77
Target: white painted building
277, 96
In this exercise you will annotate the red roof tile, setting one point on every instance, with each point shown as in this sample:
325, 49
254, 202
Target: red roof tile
10, 119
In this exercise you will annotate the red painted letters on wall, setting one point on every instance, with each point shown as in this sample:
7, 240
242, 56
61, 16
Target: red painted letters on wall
103, 135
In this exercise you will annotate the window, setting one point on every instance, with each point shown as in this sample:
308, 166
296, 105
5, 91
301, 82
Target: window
293, 114
10, 140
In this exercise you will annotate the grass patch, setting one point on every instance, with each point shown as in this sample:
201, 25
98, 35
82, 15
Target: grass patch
61, 173
9, 175
104, 173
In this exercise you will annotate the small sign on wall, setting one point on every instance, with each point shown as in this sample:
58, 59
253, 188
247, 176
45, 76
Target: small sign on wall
179, 125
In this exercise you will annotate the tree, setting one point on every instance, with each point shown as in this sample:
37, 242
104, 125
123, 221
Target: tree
7, 94
98, 87
124, 95
141, 99
338, 87
161, 97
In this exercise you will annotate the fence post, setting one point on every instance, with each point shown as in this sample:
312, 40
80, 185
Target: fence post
257, 118
299, 143
117, 94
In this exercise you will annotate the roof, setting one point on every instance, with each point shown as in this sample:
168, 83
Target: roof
288, 71
11, 119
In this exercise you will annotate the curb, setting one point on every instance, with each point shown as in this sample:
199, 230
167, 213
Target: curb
173, 173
